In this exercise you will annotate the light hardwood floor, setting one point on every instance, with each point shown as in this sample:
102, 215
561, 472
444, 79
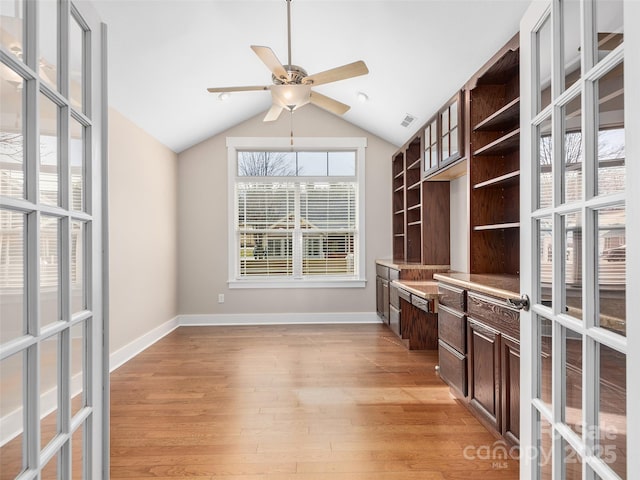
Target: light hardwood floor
289, 402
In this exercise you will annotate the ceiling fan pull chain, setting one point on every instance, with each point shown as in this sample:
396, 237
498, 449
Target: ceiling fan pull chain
291, 123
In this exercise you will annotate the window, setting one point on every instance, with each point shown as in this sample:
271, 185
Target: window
296, 215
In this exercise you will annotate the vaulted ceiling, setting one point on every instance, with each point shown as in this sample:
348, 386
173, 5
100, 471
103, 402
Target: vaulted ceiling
164, 54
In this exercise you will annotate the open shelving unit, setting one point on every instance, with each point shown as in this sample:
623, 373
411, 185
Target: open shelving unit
494, 164
413, 197
420, 209
397, 167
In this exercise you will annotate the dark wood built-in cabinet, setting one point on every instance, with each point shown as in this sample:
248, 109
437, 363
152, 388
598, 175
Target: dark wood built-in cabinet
476, 133
479, 347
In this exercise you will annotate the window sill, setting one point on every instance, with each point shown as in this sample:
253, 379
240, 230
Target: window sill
298, 283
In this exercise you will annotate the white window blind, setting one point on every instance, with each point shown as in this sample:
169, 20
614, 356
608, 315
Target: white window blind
296, 229
296, 216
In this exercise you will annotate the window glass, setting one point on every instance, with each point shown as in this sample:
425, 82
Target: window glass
571, 40
49, 165
609, 26
611, 134
12, 267
312, 164
342, 164
611, 271
266, 164
76, 64
48, 42
12, 21
12, 153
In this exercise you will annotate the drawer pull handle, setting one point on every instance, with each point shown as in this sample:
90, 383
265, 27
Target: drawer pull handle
521, 303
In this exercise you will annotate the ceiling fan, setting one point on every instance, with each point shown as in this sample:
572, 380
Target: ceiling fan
291, 87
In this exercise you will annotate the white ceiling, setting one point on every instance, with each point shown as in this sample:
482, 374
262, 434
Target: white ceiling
164, 54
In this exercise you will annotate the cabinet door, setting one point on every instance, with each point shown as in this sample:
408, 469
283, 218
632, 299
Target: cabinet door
451, 139
483, 345
453, 368
385, 301
510, 389
379, 300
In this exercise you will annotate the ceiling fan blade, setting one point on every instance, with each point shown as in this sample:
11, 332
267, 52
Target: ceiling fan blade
237, 89
350, 70
273, 113
329, 104
271, 61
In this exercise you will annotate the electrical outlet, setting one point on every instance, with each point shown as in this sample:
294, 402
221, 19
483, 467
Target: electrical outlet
221, 298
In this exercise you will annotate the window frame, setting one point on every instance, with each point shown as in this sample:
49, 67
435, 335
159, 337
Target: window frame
236, 144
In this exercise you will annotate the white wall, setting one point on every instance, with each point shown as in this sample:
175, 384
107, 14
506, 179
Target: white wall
203, 223
142, 232
459, 191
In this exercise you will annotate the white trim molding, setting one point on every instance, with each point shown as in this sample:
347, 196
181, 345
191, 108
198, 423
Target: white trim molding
278, 318
126, 353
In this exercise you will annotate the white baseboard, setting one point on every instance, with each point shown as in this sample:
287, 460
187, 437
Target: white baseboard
126, 353
278, 318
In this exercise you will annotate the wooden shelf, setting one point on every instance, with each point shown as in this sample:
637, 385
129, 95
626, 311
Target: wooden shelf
398, 234
415, 185
512, 178
414, 165
497, 226
398, 175
413, 207
399, 189
413, 224
450, 172
399, 212
505, 144
505, 117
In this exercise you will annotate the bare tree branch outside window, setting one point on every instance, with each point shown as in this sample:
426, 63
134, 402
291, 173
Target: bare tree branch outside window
266, 164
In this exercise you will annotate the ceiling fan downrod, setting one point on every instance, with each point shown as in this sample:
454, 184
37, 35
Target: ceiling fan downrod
289, 29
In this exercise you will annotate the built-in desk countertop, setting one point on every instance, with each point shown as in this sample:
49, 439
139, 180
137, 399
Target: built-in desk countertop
501, 286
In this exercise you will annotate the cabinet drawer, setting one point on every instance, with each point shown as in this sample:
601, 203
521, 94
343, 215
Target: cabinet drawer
451, 296
452, 328
394, 320
421, 303
394, 274
495, 313
382, 271
394, 298
403, 294
453, 367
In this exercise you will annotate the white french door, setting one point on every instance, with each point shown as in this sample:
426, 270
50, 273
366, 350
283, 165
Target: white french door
579, 240
52, 373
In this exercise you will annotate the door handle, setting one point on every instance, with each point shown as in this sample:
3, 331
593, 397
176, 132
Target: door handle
521, 303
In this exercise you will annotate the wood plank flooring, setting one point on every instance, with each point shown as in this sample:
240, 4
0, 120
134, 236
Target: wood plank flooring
292, 403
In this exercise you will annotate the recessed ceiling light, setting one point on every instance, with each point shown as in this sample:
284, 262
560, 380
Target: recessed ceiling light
224, 96
363, 97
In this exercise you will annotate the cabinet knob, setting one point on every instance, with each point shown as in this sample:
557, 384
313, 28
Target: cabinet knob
521, 303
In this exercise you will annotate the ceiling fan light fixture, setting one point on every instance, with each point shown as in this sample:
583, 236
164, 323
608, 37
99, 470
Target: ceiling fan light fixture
224, 96
363, 97
291, 96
